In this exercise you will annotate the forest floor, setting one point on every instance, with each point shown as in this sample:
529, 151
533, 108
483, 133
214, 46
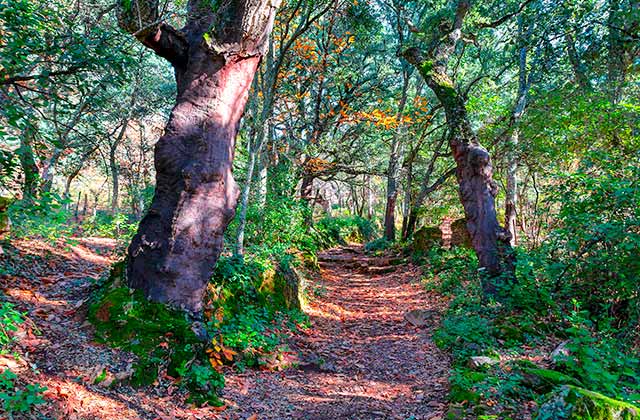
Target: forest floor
368, 353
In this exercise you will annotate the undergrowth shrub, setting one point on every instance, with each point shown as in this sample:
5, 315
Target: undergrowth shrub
14, 398
530, 312
244, 324
248, 308
120, 226
18, 399
341, 230
10, 319
163, 339
377, 245
45, 217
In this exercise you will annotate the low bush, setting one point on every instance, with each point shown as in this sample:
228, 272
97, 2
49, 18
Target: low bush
18, 399
45, 217
10, 319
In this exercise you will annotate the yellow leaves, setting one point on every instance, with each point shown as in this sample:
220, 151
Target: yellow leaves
380, 118
218, 354
315, 165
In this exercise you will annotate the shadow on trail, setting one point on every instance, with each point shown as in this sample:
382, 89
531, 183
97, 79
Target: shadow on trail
360, 359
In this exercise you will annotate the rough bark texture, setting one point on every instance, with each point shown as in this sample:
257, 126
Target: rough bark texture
178, 243
392, 170
510, 212
28, 164
474, 172
306, 194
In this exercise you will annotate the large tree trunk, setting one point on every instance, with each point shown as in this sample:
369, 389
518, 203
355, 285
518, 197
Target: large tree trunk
179, 241
172, 256
474, 171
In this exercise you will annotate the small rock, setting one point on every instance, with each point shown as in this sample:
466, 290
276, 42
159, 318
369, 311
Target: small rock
419, 317
561, 350
477, 361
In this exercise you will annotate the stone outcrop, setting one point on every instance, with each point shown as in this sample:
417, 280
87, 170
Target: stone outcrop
426, 238
460, 234
574, 403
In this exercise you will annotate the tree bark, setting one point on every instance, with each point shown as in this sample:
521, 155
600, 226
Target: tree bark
179, 241
392, 170
474, 171
28, 164
113, 166
512, 145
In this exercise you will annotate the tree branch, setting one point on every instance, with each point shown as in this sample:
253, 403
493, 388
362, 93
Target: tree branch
506, 17
141, 19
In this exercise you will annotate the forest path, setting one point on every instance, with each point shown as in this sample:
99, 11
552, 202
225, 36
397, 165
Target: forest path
361, 359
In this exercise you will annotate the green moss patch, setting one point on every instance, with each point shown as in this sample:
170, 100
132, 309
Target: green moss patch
162, 338
574, 403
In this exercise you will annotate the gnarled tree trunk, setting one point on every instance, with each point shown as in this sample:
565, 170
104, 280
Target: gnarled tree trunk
178, 243
474, 172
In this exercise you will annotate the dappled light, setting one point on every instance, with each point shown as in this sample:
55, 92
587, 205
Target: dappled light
319, 210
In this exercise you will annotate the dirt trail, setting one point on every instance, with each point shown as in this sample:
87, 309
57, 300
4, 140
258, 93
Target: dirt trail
359, 360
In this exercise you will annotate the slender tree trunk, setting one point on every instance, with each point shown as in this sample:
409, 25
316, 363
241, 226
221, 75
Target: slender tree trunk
512, 187
425, 190
28, 164
406, 208
392, 170
512, 147
263, 177
114, 168
579, 70
76, 212
49, 171
180, 239
369, 198
254, 151
306, 194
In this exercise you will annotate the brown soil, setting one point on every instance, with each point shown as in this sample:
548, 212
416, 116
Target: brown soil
360, 359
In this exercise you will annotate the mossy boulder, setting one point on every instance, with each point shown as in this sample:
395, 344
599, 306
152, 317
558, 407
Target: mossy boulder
574, 403
291, 284
544, 380
426, 238
460, 234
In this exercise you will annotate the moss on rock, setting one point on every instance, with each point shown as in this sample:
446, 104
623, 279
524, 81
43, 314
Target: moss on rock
291, 285
574, 403
544, 380
460, 234
426, 238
